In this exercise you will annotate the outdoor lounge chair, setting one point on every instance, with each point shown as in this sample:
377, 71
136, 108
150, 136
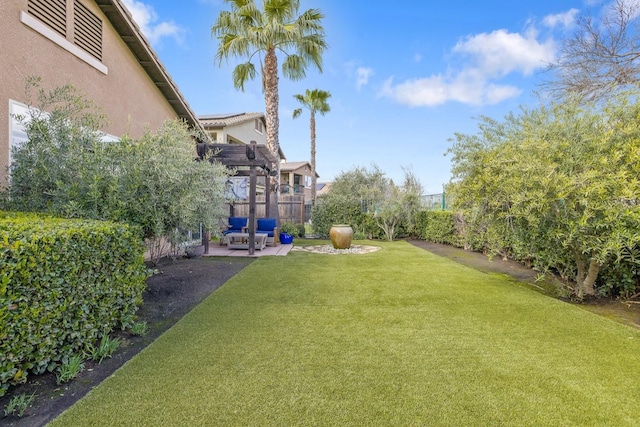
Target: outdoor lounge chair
236, 224
268, 227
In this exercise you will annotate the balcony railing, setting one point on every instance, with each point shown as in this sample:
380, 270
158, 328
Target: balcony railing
291, 189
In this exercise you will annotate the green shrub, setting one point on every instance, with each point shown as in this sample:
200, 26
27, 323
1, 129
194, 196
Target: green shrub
63, 283
337, 209
437, 226
289, 228
66, 169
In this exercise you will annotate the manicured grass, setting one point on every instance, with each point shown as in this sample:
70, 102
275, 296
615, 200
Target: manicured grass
397, 337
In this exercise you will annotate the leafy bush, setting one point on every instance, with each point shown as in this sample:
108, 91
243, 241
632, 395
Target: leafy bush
370, 203
335, 209
557, 187
66, 169
63, 284
289, 228
437, 226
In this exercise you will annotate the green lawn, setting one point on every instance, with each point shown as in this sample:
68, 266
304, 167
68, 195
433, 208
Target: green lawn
397, 337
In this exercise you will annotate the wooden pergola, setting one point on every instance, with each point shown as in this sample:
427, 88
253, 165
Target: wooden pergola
251, 160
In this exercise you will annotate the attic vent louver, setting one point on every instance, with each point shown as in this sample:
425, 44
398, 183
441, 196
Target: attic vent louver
51, 12
87, 30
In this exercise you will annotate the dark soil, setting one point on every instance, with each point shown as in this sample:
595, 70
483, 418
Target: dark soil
182, 284
178, 286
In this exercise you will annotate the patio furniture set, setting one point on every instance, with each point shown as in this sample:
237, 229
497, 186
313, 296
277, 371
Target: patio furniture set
236, 236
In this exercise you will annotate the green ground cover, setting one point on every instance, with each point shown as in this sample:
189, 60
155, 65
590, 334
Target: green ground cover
395, 337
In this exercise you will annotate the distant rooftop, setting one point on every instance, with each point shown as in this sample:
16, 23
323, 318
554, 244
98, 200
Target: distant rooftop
221, 120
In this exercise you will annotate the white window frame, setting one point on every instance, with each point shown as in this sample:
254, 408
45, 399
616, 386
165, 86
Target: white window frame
259, 126
17, 131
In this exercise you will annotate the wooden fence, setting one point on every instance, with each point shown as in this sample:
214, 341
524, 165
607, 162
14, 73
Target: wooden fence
290, 207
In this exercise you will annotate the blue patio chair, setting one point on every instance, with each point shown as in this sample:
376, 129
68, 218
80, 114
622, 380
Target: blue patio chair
235, 224
268, 226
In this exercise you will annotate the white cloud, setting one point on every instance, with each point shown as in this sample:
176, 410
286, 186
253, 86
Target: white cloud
565, 20
359, 73
488, 57
500, 52
437, 90
362, 76
146, 18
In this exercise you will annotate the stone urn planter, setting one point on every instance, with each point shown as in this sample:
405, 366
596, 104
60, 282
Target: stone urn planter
341, 236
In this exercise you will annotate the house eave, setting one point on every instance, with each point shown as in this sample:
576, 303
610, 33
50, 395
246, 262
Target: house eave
132, 36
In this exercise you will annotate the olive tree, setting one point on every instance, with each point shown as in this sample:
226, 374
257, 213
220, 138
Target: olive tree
556, 186
374, 204
65, 168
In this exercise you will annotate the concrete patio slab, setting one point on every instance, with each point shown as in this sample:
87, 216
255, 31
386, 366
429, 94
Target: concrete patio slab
215, 249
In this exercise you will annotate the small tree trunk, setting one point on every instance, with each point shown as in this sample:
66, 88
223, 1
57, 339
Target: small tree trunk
589, 283
588, 270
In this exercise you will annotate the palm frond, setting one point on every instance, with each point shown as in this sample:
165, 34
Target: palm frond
294, 67
242, 73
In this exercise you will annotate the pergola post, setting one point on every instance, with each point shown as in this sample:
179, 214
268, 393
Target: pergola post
267, 196
259, 160
251, 154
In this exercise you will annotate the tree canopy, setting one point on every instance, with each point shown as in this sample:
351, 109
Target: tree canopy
557, 187
260, 34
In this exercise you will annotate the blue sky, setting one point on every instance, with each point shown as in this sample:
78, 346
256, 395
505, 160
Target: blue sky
404, 76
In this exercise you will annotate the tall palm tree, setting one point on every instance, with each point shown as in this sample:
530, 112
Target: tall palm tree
262, 34
316, 102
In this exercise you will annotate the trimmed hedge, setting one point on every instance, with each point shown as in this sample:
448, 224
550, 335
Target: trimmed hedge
437, 226
63, 285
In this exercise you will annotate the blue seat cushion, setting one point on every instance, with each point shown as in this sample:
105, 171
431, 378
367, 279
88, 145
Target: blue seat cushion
236, 224
266, 225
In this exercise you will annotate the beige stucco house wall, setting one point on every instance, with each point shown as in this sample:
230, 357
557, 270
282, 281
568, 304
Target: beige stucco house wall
240, 128
94, 45
295, 178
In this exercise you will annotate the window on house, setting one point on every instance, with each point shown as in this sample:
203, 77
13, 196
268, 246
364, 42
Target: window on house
258, 125
87, 30
53, 13
17, 132
19, 115
213, 135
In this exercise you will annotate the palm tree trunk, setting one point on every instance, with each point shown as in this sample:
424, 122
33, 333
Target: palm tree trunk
314, 180
271, 97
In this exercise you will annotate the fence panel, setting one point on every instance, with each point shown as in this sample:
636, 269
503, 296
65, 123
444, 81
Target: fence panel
290, 207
